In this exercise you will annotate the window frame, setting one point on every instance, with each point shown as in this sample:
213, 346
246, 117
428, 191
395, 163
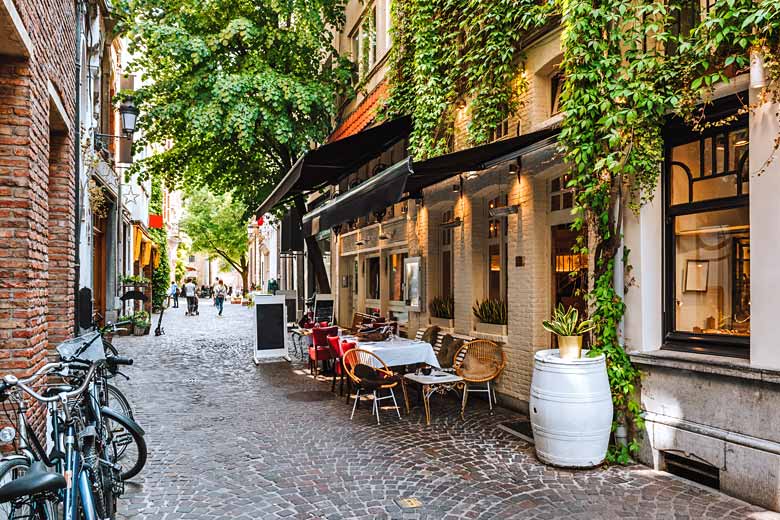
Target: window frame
501, 239
446, 246
682, 341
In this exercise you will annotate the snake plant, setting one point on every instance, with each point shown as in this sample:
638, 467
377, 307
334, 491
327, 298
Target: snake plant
566, 322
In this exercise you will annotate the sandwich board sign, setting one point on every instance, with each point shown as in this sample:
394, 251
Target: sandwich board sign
271, 339
323, 308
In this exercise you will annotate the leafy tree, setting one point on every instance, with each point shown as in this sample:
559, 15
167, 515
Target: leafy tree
238, 88
216, 225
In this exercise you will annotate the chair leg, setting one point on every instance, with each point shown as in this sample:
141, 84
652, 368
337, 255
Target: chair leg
357, 398
376, 407
333, 384
465, 399
490, 396
398, 410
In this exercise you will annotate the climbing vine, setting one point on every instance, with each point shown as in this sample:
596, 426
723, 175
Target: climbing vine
626, 68
162, 273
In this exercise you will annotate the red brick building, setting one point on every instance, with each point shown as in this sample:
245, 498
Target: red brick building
37, 178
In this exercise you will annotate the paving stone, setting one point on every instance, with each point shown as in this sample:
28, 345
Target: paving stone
231, 440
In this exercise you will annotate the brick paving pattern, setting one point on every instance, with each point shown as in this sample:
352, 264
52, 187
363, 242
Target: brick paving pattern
231, 440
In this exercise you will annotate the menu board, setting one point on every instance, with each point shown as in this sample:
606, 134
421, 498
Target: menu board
323, 308
270, 327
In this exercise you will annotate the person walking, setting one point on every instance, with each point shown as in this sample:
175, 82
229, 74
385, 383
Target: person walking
173, 292
220, 291
190, 291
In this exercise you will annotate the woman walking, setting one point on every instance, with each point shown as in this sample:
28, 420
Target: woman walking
220, 291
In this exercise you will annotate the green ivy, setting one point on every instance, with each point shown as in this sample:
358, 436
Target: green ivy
162, 275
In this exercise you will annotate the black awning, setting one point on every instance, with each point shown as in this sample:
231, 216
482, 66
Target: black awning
331, 162
375, 194
432, 171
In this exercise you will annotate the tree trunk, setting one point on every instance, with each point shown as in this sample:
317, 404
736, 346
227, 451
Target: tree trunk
244, 276
315, 254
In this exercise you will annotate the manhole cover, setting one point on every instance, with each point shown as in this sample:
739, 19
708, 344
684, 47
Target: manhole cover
408, 503
308, 397
520, 429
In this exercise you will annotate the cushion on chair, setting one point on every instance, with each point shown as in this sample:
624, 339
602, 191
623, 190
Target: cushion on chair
449, 347
429, 336
474, 369
371, 378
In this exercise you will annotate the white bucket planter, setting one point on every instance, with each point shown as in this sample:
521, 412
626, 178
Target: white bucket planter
571, 409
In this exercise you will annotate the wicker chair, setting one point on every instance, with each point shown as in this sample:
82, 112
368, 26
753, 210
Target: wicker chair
479, 362
369, 373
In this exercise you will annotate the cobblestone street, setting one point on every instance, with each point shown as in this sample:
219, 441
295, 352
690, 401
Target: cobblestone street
231, 440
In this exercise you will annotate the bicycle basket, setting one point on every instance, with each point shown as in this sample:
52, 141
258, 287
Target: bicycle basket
88, 347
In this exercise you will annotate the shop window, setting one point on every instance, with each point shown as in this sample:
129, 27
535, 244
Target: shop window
446, 256
372, 278
355, 277
561, 196
395, 275
708, 243
501, 131
497, 252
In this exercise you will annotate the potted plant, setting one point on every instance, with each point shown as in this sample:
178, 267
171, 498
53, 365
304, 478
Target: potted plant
124, 325
141, 323
442, 312
567, 325
491, 316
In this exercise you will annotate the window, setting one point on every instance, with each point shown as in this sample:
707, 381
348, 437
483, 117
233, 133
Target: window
395, 274
446, 256
561, 196
497, 252
556, 88
708, 242
501, 131
356, 277
372, 278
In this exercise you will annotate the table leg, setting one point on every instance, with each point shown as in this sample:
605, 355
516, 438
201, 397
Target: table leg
406, 396
465, 398
427, 405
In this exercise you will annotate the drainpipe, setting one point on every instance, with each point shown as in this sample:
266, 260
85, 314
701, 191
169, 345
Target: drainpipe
77, 168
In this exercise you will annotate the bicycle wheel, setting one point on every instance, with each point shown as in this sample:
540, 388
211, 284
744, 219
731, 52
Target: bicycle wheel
117, 401
33, 508
125, 446
109, 348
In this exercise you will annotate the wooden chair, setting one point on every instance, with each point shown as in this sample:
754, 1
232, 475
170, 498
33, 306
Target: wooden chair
459, 355
479, 362
358, 320
369, 373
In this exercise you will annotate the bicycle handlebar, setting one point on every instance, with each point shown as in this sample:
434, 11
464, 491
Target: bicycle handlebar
12, 381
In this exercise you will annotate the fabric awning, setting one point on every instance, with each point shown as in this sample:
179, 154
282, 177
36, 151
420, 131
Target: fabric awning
331, 162
408, 178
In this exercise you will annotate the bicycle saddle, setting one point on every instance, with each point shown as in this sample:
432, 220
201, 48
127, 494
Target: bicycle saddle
37, 480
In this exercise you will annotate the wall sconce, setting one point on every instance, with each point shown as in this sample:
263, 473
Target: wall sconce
471, 175
504, 211
405, 208
757, 71
452, 223
419, 201
456, 188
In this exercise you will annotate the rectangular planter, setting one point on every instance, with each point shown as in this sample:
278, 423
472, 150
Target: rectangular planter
491, 328
443, 323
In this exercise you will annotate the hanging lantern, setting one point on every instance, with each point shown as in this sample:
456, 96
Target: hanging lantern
260, 221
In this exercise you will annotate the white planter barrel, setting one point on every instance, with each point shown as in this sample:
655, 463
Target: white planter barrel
571, 409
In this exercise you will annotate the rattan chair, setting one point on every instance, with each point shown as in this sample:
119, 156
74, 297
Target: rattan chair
369, 373
490, 360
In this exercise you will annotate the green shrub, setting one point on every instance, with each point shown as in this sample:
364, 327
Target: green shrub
442, 308
490, 311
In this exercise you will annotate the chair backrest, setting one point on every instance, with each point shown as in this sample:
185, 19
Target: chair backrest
320, 335
484, 351
333, 342
419, 334
356, 356
345, 347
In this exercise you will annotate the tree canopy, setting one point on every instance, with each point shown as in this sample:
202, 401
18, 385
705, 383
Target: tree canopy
215, 225
237, 88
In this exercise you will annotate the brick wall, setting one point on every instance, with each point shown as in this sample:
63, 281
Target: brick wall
36, 187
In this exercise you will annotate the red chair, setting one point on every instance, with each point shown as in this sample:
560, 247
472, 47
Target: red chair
337, 350
320, 348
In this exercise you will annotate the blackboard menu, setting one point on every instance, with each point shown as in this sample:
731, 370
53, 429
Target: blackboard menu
271, 327
323, 309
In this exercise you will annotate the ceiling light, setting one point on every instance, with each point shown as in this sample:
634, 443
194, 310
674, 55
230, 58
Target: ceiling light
504, 211
470, 175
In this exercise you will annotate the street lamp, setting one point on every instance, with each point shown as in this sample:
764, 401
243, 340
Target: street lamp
128, 112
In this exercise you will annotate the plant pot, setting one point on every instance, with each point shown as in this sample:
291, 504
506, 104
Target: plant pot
491, 328
570, 346
140, 330
124, 331
444, 323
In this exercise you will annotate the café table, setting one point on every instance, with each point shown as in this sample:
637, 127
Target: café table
398, 352
437, 382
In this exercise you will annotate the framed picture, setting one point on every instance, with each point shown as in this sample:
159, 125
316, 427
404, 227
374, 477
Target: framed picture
412, 294
697, 273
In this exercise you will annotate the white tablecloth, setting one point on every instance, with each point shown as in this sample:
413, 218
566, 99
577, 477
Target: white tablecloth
401, 351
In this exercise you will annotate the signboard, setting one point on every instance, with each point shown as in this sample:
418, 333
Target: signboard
412, 294
323, 308
291, 303
271, 340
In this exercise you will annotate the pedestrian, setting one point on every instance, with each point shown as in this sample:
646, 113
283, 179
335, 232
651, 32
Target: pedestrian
220, 291
173, 292
190, 291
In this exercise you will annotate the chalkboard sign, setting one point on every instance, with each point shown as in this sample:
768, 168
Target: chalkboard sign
291, 302
271, 339
323, 308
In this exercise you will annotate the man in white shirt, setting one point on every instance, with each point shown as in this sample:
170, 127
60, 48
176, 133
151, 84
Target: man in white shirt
191, 292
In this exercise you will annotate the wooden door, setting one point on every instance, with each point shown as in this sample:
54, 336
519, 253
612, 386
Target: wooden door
99, 267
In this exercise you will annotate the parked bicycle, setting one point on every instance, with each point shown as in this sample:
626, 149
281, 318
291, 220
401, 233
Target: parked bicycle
93, 448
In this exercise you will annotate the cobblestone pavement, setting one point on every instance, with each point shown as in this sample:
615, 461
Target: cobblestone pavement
231, 440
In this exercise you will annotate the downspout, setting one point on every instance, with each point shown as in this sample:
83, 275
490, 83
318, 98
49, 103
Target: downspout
77, 166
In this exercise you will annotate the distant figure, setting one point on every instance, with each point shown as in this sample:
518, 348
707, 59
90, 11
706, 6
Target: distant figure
220, 291
173, 292
191, 292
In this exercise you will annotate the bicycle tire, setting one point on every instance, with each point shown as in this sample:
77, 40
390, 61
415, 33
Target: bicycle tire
109, 348
40, 509
122, 402
123, 435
